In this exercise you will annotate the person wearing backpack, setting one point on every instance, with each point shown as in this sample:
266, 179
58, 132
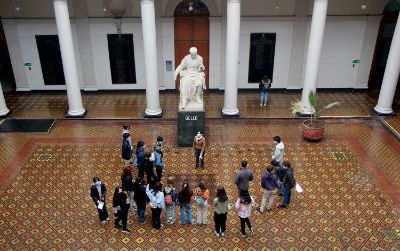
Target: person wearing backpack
202, 195
289, 182
184, 198
127, 186
157, 204
170, 198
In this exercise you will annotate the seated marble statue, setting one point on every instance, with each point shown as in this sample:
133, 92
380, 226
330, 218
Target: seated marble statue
192, 81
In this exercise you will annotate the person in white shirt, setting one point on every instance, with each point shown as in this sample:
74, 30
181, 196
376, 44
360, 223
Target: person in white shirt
277, 154
244, 204
157, 204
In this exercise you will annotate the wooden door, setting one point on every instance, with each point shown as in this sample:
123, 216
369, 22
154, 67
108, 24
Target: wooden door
192, 31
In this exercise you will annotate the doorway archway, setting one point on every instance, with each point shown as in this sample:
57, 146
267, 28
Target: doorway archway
192, 29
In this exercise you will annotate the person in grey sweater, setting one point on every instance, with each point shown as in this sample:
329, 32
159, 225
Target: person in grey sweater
243, 177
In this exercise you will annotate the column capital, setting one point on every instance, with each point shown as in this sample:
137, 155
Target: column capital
233, 1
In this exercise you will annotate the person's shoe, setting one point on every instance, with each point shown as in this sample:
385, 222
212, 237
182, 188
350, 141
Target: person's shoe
243, 235
282, 206
222, 234
172, 222
216, 233
252, 232
161, 226
265, 104
118, 225
126, 231
260, 104
259, 210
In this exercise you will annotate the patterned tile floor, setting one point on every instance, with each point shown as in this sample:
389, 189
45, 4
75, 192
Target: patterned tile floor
132, 105
351, 181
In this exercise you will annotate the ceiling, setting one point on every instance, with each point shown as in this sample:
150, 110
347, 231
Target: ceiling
164, 8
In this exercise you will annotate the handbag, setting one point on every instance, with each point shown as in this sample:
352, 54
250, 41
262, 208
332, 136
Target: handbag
200, 201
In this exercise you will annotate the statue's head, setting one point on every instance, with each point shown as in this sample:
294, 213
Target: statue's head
193, 52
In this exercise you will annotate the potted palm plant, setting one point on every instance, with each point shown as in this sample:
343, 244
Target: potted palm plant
313, 129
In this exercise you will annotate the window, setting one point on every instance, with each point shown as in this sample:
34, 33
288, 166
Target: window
262, 54
122, 58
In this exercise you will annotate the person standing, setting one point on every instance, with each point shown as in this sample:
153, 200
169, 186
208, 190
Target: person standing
184, 198
126, 152
202, 195
264, 86
278, 151
158, 162
98, 193
243, 177
289, 183
125, 129
270, 183
127, 185
199, 146
120, 209
244, 204
140, 154
157, 204
140, 198
170, 198
221, 207
147, 168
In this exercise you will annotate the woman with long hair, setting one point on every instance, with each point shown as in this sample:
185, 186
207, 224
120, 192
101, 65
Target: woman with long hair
221, 207
120, 209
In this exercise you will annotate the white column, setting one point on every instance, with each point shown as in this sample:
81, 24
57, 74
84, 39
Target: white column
232, 58
3, 107
75, 107
314, 50
391, 75
153, 108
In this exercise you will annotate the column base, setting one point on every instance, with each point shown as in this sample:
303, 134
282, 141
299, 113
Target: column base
381, 112
3, 116
230, 114
153, 115
78, 116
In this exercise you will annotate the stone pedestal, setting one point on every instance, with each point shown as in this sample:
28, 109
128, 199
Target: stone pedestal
189, 123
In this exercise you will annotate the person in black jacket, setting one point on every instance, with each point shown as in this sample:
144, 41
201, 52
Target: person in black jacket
127, 185
148, 167
126, 152
289, 182
121, 209
140, 198
98, 193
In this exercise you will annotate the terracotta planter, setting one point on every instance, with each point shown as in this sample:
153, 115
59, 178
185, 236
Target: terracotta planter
313, 131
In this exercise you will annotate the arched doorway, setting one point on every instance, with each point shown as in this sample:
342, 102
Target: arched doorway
192, 29
382, 47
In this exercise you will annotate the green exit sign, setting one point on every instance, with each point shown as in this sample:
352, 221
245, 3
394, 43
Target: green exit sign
357, 61
28, 64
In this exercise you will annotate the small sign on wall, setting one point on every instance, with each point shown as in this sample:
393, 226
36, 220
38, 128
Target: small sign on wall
168, 65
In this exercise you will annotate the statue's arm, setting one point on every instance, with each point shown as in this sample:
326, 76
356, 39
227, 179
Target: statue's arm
202, 67
179, 68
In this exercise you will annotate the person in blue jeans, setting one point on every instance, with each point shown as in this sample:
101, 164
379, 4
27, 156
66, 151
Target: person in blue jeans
184, 198
264, 86
289, 182
140, 198
170, 198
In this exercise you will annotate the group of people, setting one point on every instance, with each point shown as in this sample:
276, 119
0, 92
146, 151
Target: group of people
135, 194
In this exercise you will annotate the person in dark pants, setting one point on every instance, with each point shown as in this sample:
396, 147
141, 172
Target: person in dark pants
98, 193
244, 204
140, 198
148, 168
289, 182
121, 209
264, 86
199, 146
158, 161
126, 152
221, 207
157, 203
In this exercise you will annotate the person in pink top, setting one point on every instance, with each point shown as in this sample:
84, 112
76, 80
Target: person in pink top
244, 205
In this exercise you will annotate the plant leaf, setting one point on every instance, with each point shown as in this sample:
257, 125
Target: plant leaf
331, 105
312, 98
297, 107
